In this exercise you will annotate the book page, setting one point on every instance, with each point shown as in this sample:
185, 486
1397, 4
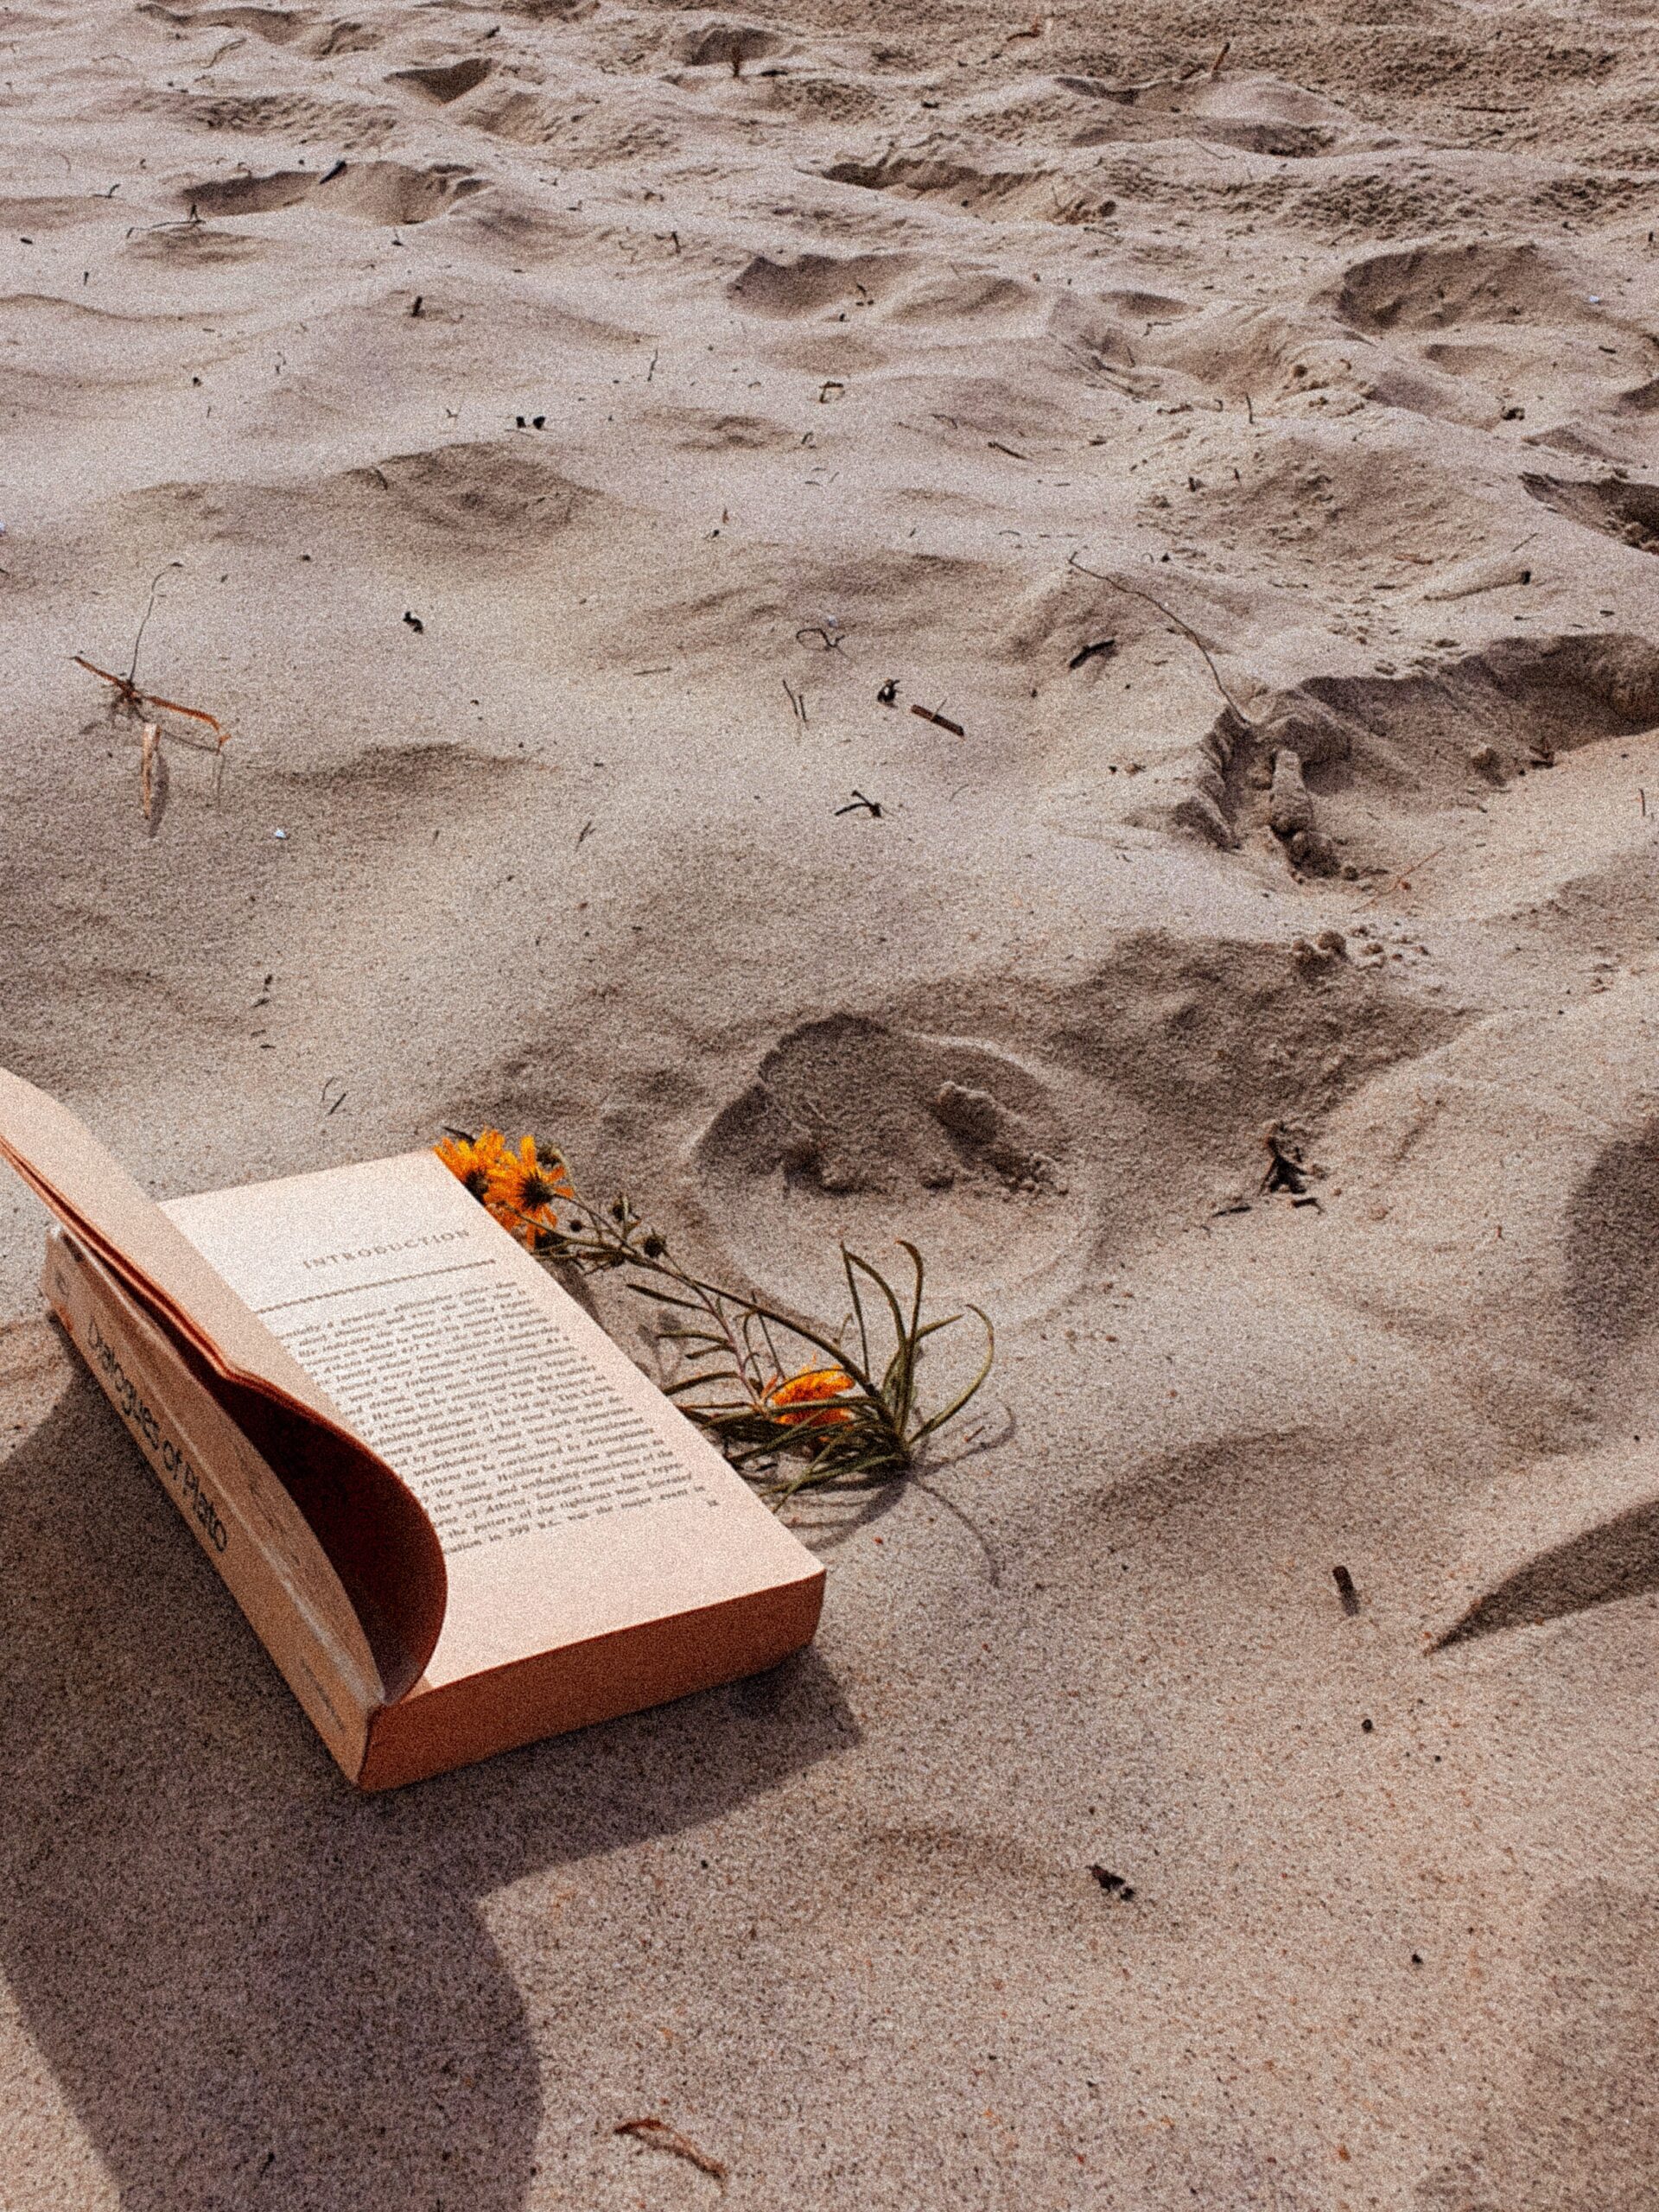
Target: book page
94, 1197
378, 1540
462, 1382
570, 1496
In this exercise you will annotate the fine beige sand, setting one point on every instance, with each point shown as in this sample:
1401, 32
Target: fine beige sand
569, 439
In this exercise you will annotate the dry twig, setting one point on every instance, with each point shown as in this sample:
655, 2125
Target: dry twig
1186, 628
665, 2137
1402, 882
146, 707
147, 767
126, 687
942, 721
136, 701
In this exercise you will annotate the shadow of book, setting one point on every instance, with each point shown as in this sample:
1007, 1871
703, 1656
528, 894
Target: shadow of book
241, 1972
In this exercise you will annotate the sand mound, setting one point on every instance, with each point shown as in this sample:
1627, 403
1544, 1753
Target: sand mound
1443, 287
1618, 1558
1627, 511
372, 191
1354, 765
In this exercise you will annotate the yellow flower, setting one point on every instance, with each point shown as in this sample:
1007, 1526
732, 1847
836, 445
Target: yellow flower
473, 1158
807, 1399
523, 1188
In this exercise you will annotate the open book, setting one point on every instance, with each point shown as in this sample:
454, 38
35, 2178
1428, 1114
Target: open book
456, 1514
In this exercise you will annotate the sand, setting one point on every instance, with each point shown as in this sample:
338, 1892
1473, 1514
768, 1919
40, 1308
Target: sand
564, 443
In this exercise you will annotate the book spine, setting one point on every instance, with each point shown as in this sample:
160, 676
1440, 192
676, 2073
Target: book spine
229, 1498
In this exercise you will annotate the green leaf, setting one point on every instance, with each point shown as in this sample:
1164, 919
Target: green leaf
929, 1428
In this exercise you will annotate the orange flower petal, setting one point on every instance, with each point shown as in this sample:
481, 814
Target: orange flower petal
806, 1400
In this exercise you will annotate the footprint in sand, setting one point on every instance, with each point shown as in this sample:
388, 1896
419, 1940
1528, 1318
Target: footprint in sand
821, 284
1256, 115
1007, 1162
276, 27
496, 497
879, 1131
994, 194
1627, 511
1380, 755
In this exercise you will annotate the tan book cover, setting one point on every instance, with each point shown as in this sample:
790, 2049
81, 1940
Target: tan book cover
455, 1514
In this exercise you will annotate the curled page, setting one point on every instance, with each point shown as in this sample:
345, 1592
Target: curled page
370, 1525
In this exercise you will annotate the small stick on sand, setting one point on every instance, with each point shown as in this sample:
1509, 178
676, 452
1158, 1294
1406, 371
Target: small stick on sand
1402, 882
147, 768
1169, 615
1286, 1172
943, 721
670, 2138
229, 47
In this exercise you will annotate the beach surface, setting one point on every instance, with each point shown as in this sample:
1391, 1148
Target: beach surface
1039, 634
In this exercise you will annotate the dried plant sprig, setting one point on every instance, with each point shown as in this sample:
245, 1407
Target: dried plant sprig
652, 2130
149, 769
768, 1386
147, 707
138, 702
